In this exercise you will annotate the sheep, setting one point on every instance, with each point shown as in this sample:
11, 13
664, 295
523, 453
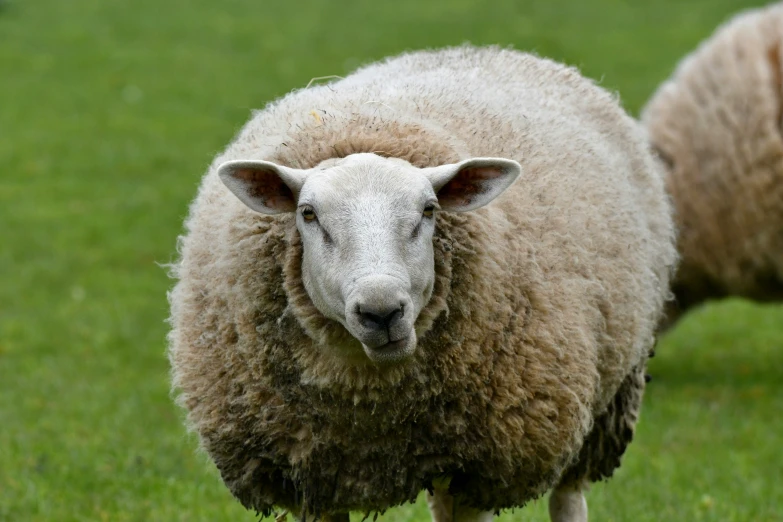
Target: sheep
716, 124
441, 273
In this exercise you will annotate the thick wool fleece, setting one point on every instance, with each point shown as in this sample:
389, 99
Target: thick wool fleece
717, 125
545, 301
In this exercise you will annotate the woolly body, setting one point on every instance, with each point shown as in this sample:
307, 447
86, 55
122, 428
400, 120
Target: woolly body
717, 125
544, 302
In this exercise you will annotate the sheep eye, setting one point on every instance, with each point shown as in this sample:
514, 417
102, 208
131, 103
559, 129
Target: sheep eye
308, 213
429, 210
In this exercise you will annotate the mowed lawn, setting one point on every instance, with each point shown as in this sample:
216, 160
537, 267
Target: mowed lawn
109, 113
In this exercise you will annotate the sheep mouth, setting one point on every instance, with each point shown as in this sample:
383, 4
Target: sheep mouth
393, 351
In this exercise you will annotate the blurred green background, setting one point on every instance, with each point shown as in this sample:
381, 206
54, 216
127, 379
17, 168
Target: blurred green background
109, 114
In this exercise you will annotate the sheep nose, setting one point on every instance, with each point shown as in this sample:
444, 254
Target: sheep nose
380, 318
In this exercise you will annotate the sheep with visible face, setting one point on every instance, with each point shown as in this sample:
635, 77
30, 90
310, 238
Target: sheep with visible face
440, 273
717, 125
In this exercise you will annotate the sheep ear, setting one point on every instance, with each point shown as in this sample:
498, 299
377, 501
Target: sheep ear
472, 183
263, 186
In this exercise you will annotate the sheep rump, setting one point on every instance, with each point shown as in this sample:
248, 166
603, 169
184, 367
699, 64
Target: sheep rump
545, 301
716, 123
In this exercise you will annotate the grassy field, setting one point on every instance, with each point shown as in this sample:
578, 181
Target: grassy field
109, 113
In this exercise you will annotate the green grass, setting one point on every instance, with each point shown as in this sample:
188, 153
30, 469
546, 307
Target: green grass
109, 113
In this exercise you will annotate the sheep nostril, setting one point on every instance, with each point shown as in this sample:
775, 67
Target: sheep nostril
382, 319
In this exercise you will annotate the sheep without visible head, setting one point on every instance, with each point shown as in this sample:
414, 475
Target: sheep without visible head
369, 304
717, 125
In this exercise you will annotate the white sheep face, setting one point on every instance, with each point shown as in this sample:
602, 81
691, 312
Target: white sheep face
367, 224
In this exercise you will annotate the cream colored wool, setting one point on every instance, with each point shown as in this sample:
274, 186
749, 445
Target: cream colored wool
717, 125
545, 301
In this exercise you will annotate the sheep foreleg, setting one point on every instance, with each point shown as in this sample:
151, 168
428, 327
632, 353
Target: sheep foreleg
567, 504
444, 509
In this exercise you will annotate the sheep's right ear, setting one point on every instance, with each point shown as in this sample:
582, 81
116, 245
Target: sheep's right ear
263, 186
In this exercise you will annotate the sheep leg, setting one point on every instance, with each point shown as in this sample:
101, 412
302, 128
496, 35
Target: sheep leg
441, 505
567, 504
443, 508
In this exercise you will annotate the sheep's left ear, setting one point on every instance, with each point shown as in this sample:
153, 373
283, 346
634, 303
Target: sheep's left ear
472, 183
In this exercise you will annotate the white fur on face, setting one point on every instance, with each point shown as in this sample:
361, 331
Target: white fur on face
369, 248
366, 224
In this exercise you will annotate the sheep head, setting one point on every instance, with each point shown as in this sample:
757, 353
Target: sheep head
367, 226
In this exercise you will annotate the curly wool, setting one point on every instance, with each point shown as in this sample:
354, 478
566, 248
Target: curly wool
544, 303
717, 125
